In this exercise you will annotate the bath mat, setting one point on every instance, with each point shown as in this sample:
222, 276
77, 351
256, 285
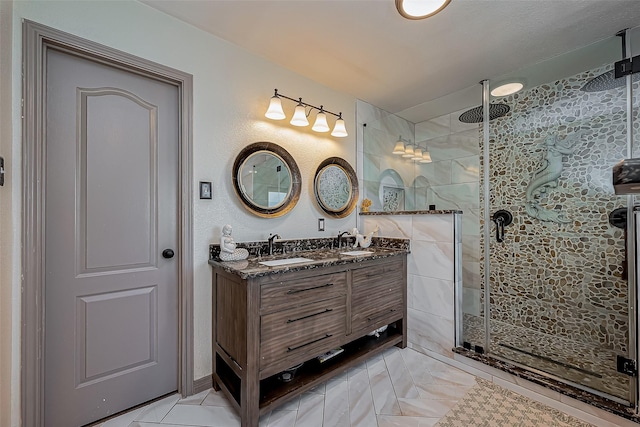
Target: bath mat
489, 405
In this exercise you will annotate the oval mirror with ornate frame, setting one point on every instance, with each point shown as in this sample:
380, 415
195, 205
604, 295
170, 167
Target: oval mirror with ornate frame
336, 187
266, 179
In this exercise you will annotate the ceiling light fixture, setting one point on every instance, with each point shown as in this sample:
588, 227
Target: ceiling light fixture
420, 9
300, 115
507, 89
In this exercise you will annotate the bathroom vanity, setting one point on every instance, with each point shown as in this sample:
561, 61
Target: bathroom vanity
268, 319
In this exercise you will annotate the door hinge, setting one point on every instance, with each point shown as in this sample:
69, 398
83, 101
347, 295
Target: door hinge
627, 366
1, 171
627, 66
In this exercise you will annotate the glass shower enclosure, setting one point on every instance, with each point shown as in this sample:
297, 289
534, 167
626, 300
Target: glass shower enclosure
555, 280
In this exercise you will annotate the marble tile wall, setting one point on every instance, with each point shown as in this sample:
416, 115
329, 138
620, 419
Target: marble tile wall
432, 274
454, 183
449, 182
378, 131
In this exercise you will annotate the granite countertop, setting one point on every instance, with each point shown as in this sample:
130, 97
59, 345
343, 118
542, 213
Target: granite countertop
251, 267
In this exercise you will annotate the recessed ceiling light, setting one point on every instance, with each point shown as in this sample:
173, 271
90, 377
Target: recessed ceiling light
420, 9
507, 89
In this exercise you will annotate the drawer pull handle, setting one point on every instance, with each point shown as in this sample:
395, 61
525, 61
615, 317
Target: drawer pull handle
381, 315
309, 343
326, 310
295, 291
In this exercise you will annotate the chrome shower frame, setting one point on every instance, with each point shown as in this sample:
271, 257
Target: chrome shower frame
631, 230
632, 245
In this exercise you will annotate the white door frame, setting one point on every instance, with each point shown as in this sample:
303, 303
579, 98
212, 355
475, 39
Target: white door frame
37, 39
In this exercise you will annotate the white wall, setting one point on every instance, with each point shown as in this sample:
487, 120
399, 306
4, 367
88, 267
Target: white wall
231, 92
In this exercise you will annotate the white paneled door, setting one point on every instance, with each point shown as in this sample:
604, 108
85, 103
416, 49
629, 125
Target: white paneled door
111, 282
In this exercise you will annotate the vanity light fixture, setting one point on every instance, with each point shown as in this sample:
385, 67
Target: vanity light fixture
321, 124
507, 89
417, 154
408, 151
420, 9
426, 157
399, 148
300, 115
411, 151
339, 128
275, 112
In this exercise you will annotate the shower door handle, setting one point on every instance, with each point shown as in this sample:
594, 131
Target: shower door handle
501, 218
618, 219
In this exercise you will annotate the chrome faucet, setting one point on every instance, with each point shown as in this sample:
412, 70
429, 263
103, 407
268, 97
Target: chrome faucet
272, 237
340, 238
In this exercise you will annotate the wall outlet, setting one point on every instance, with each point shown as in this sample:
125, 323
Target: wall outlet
320, 224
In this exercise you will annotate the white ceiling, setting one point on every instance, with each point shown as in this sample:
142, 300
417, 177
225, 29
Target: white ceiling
366, 49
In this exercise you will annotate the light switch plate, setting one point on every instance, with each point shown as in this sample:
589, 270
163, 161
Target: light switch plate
320, 224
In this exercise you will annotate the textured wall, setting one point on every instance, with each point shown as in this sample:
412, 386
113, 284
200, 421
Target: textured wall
231, 93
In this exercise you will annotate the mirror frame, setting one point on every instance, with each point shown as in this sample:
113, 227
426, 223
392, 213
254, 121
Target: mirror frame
296, 182
351, 175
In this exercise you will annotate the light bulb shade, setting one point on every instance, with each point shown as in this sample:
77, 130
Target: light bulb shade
321, 124
420, 9
275, 111
339, 129
408, 151
426, 157
417, 154
399, 148
300, 116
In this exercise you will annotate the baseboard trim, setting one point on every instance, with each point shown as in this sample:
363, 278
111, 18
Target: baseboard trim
202, 384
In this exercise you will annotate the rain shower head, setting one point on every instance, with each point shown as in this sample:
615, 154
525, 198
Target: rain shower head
475, 115
606, 81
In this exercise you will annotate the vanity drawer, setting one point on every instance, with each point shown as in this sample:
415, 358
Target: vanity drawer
377, 296
292, 336
301, 291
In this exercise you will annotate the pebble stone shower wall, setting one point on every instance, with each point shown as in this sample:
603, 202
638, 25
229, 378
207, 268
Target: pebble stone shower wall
559, 298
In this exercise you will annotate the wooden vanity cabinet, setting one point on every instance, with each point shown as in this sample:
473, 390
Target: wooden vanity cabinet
265, 325
377, 296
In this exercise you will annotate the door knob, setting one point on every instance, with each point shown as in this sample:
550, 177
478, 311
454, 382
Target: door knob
168, 253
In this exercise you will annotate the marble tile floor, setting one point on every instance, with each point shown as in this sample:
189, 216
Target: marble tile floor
399, 388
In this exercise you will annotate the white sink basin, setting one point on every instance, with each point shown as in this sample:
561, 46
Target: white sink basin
278, 262
356, 253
